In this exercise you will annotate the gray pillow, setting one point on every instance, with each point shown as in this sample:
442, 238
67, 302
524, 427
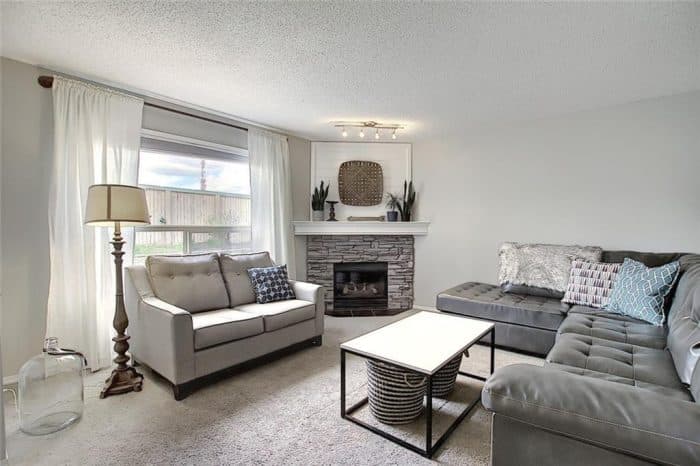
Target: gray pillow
235, 270
544, 266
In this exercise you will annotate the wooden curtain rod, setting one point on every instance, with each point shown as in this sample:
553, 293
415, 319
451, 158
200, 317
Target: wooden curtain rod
47, 82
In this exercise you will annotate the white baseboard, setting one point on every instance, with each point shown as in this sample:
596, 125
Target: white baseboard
425, 308
9, 380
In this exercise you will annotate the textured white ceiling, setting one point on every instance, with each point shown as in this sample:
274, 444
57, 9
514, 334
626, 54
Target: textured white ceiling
441, 68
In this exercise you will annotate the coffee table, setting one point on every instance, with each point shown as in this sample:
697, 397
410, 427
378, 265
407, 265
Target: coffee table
422, 343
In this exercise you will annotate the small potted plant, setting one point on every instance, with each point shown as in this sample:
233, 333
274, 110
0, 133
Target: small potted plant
318, 201
392, 203
405, 205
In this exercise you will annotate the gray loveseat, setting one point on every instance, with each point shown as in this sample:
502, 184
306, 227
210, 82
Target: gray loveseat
613, 390
194, 317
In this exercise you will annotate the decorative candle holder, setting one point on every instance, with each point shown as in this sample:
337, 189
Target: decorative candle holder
331, 212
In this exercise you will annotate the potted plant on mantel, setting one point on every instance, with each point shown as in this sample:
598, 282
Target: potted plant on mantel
405, 206
318, 201
392, 203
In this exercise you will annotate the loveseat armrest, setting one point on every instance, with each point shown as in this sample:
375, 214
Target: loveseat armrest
163, 334
314, 294
307, 291
608, 414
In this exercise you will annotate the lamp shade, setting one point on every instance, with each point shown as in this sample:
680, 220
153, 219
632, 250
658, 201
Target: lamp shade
110, 203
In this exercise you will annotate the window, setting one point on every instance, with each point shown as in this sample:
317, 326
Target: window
198, 197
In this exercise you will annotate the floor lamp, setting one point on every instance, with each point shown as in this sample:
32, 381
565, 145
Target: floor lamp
118, 205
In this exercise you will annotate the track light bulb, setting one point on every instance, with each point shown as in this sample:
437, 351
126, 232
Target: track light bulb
393, 135
376, 134
362, 133
344, 133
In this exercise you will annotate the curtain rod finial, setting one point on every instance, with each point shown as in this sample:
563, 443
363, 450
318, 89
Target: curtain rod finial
45, 81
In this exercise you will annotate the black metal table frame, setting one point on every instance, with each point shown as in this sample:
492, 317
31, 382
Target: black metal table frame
430, 447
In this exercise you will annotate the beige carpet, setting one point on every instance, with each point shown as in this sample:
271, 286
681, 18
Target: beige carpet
286, 412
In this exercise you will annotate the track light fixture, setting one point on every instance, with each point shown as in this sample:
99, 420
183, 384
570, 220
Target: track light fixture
343, 125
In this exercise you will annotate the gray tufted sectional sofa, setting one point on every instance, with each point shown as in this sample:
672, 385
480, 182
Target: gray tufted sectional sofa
526, 322
195, 317
613, 390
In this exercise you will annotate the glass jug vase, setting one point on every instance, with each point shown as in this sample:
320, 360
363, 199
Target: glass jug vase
51, 390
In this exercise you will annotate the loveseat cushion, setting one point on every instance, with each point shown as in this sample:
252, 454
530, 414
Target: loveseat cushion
613, 327
638, 363
280, 314
235, 270
193, 282
489, 302
224, 325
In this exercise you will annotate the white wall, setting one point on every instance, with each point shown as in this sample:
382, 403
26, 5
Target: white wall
300, 162
3, 450
27, 134
622, 177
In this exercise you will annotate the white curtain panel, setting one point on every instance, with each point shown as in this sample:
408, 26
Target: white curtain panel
271, 200
96, 140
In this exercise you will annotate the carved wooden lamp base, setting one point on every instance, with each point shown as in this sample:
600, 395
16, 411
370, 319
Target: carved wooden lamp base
124, 378
122, 381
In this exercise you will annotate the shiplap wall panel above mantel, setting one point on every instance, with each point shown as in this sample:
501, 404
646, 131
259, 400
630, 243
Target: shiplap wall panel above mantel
326, 157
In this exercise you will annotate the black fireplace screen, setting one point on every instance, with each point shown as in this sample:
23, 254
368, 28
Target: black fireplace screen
360, 285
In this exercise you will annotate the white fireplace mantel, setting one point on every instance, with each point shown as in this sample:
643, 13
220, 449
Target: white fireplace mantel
306, 228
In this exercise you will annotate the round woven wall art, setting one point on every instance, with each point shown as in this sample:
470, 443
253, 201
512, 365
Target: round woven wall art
360, 183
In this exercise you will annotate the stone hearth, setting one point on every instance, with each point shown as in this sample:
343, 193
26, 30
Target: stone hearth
322, 251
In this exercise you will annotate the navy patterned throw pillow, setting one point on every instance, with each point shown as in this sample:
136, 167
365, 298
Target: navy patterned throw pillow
271, 284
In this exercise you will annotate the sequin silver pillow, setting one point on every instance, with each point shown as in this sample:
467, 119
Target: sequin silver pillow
542, 266
271, 284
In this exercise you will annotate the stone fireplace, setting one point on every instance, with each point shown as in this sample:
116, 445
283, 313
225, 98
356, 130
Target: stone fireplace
362, 274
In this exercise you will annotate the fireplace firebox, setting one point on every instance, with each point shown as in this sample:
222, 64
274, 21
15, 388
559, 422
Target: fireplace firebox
360, 285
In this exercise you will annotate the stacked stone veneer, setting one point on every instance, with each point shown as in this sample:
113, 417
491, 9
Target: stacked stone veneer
397, 251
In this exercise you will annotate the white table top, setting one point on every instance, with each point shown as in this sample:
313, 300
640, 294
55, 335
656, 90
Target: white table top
422, 342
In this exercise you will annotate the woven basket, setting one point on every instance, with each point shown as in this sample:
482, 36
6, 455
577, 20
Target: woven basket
360, 183
444, 379
395, 395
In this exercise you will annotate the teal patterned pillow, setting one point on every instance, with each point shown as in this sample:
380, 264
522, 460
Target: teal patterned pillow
639, 291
